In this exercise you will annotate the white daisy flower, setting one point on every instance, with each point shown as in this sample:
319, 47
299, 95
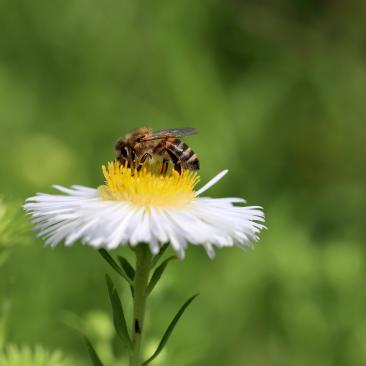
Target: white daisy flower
145, 207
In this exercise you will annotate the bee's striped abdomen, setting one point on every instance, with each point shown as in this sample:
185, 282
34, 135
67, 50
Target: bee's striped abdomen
179, 153
184, 153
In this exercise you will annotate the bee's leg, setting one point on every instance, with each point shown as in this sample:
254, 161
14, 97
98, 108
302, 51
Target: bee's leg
164, 166
163, 146
131, 160
159, 149
176, 161
142, 160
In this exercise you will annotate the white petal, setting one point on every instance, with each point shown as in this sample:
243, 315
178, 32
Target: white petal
212, 182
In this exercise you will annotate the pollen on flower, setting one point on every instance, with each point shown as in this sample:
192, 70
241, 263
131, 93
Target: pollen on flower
147, 187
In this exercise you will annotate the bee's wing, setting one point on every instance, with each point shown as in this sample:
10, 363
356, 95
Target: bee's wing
171, 132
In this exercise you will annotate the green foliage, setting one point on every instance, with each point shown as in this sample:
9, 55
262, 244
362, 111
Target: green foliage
118, 313
157, 257
158, 273
170, 330
14, 355
125, 264
14, 229
93, 354
99, 330
119, 269
4, 316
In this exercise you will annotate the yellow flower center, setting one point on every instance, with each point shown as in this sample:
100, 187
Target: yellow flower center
148, 187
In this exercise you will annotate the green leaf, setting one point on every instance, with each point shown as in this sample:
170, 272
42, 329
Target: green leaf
119, 319
129, 270
158, 273
169, 330
125, 264
92, 353
114, 265
159, 255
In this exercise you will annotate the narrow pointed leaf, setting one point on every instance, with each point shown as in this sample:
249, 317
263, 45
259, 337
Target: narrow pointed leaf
158, 273
169, 330
92, 353
130, 271
125, 264
108, 258
159, 255
119, 319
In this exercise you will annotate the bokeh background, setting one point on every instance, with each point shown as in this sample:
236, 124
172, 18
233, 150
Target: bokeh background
277, 90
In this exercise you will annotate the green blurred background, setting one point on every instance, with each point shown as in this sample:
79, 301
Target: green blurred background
277, 90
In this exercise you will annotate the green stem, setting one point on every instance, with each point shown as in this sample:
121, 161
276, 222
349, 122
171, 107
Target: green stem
143, 266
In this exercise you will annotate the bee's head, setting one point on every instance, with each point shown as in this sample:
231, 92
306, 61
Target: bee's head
122, 151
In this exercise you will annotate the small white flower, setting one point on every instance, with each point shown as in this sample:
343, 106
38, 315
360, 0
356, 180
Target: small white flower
135, 207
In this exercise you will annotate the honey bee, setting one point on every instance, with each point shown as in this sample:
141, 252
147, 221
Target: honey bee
142, 144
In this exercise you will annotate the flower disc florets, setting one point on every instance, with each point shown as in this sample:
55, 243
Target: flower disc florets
148, 187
